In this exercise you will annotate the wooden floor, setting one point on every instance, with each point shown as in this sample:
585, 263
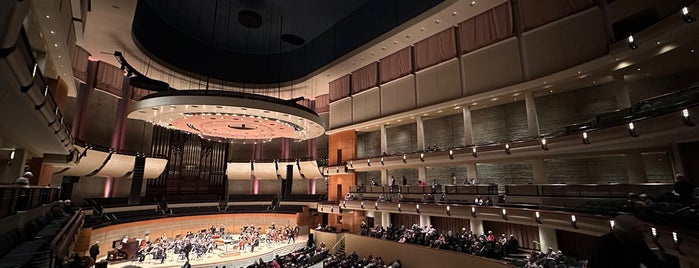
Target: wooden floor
245, 258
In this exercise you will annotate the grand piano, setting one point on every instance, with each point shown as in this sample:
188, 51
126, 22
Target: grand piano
123, 250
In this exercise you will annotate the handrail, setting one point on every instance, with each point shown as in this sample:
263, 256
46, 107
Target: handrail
334, 247
60, 245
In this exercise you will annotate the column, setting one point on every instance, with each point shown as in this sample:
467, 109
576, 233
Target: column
420, 134
257, 154
386, 219
425, 220
471, 172
286, 148
384, 177
81, 111
621, 92
119, 132
476, 226
421, 173
539, 169
676, 162
547, 238
468, 126
384, 140
532, 118
311, 152
635, 169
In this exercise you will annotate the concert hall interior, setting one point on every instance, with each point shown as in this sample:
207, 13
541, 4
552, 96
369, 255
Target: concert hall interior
311, 133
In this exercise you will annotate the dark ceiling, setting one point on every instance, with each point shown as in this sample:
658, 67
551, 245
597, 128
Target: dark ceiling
262, 41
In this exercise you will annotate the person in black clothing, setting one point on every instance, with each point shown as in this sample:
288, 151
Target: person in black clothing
405, 181
95, 250
624, 247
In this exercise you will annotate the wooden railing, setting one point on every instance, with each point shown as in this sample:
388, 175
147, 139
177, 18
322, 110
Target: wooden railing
62, 244
21, 198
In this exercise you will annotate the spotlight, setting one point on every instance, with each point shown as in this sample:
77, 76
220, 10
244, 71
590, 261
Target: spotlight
676, 238
417, 208
405, 159
544, 146
12, 155
654, 233
507, 149
332, 209
611, 224
320, 207
632, 130
422, 157
685, 118
361, 204
368, 162
399, 210
449, 210
344, 203
504, 214
473, 212
686, 17
574, 221
474, 152
632, 43
382, 161
585, 138
376, 205
537, 216
451, 154
351, 166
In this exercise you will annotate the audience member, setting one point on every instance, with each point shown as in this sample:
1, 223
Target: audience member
624, 246
24, 179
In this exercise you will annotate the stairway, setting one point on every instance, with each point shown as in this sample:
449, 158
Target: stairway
340, 252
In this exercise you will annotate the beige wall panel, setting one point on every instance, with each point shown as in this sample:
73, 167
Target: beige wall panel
341, 113
438, 83
398, 95
366, 105
492, 67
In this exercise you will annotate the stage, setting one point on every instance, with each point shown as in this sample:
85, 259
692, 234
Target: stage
266, 251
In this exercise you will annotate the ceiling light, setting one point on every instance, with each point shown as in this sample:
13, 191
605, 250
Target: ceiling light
686, 17
473, 3
632, 43
439, 111
632, 130
507, 149
585, 138
457, 107
437, 21
48, 16
493, 99
52, 32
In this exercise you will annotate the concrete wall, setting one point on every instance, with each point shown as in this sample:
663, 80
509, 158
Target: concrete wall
499, 123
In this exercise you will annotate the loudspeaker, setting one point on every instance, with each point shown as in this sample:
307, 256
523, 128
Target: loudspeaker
137, 181
310, 242
289, 178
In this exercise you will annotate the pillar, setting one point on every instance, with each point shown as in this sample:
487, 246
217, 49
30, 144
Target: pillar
384, 139
82, 101
621, 92
539, 169
532, 117
286, 148
386, 219
420, 134
471, 172
476, 226
468, 126
421, 174
257, 154
311, 187
425, 220
384, 177
119, 131
635, 169
677, 166
547, 238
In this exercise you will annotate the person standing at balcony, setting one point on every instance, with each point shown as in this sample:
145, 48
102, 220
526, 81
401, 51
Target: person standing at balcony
24, 180
405, 181
95, 250
624, 246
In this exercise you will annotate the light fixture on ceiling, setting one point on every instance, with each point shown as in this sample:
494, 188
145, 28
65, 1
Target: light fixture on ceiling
632, 42
686, 17
632, 130
685, 118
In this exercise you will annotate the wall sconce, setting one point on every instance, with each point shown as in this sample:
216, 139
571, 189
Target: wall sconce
632, 130
685, 118
676, 240
507, 149
376, 205
361, 204
422, 157
320, 207
351, 165
451, 154
686, 17
449, 210
632, 43
654, 233
473, 212
382, 161
611, 224
399, 210
504, 214
474, 152
332, 209
344, 203
337, 170
537, 216
574, 221
405, 159
368, 162
417, 208
585, 138
544, 145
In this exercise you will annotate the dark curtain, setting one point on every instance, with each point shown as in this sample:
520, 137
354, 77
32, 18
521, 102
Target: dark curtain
322, 103
339, 88
109, 78
396, 65
539, 12
365, 78
435, 49
450, 224
580, 246
525, 234
80, 59
406, 220
486, 28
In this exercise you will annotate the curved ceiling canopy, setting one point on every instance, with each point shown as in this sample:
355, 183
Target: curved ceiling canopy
262, 42
228, 116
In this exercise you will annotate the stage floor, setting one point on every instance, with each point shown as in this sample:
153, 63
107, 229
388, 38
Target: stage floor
265, 251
